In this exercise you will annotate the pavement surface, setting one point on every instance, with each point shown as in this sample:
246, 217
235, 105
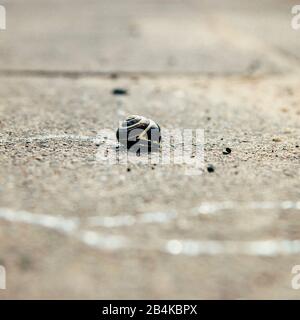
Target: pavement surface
72, 226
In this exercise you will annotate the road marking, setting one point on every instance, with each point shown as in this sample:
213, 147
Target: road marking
207, 208
61, 224
188, 247
269, 248
129, 220
50, 137
66, 226
103, 242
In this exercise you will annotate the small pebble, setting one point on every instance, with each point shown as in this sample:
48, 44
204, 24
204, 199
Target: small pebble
276, 139
119, 91
114, 76
210, 168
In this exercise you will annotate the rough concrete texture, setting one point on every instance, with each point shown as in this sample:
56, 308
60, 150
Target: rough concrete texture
74, 227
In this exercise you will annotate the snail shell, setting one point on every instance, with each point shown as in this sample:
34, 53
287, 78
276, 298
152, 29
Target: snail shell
141, 131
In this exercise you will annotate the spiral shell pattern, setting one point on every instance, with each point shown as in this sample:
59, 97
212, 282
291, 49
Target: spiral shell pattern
139, 130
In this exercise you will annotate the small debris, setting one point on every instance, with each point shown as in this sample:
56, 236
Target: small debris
128, 169
276, 139
119, 91
227, 151
114, 76
210, 168
284, 109
287, 131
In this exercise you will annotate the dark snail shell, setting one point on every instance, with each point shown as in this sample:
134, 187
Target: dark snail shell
140, 131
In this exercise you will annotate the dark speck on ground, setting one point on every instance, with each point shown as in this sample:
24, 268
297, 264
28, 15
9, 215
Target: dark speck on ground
119, 91
210, 168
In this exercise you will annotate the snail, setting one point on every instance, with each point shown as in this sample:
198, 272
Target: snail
139, 131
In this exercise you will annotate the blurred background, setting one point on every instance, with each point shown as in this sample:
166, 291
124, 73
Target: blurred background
147, 36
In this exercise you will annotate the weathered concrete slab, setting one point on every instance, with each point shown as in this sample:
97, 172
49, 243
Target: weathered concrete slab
218, 220
150, 36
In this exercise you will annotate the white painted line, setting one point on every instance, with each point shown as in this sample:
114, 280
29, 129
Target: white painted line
107, 242
268, 248
111, 221
61, 224
185, 247
129, 220
207, 208
51, 137
67, 226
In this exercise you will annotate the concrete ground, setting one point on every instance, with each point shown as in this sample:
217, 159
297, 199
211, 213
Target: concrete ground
72, 226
